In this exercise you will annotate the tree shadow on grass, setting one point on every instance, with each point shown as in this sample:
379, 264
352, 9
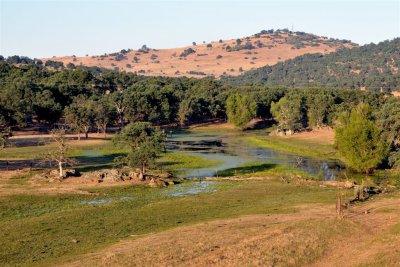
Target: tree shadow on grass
249, 169
95, 163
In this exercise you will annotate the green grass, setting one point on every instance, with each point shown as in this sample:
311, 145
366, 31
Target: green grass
37, 230
262, 169
100, 156
294, 146
75, 150
176, 162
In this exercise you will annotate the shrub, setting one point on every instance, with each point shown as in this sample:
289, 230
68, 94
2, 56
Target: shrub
187, 52
193, 72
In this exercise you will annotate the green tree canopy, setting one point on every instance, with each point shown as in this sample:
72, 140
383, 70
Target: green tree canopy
359, 140
288, 113
240, 109
80, 115
145, 144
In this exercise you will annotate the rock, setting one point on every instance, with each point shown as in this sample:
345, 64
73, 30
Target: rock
165, 175
141, 176
133, 175
348, 184
70, 173
112, 175
289, 132
155, 182
54, 173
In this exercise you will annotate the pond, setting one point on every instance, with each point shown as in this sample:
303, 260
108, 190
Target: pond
232, 151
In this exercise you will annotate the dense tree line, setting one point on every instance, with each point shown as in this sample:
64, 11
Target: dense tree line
91, 99
85, 98
374, 67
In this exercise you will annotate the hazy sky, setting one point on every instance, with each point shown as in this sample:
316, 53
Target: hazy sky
47, 28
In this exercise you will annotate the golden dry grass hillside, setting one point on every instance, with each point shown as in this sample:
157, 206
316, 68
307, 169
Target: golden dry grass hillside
217, 58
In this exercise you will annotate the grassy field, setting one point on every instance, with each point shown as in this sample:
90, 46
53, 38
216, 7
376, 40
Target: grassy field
271, 221
177, 162
100, 154
49, 229
263, 169
294, 146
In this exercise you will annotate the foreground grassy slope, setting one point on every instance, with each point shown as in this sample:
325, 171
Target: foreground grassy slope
42, 229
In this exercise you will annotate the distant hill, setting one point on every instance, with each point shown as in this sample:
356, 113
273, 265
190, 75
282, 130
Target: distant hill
219, 58
372, 67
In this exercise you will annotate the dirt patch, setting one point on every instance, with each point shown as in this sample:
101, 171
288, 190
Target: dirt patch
213, 125
262, 240
324, 135
42, 139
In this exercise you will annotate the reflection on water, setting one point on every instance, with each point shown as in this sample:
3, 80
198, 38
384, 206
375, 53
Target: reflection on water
232, 152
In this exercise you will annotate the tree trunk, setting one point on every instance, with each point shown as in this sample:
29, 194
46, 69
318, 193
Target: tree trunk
121, 119
60, 169
105, 130
143, 168
86, 128
79, 136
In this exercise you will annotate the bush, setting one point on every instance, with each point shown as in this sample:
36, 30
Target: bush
54, 64
187, 52
193, 72
71, 66
120, 57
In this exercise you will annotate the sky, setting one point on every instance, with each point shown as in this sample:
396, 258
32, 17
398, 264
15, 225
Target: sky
56, 28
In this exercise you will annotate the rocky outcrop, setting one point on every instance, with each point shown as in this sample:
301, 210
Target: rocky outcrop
54, 175
134, 176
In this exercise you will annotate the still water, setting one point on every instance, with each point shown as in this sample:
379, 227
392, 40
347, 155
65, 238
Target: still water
233, 152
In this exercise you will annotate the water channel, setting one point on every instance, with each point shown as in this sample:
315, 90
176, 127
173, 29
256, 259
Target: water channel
231, 151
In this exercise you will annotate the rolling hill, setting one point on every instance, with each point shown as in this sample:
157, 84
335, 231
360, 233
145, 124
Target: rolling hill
372, 67
219, 58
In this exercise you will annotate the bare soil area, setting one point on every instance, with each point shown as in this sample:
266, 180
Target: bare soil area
312, 235
325, 135
208, 58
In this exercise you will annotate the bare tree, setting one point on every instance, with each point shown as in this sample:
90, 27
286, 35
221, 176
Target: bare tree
59, 154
